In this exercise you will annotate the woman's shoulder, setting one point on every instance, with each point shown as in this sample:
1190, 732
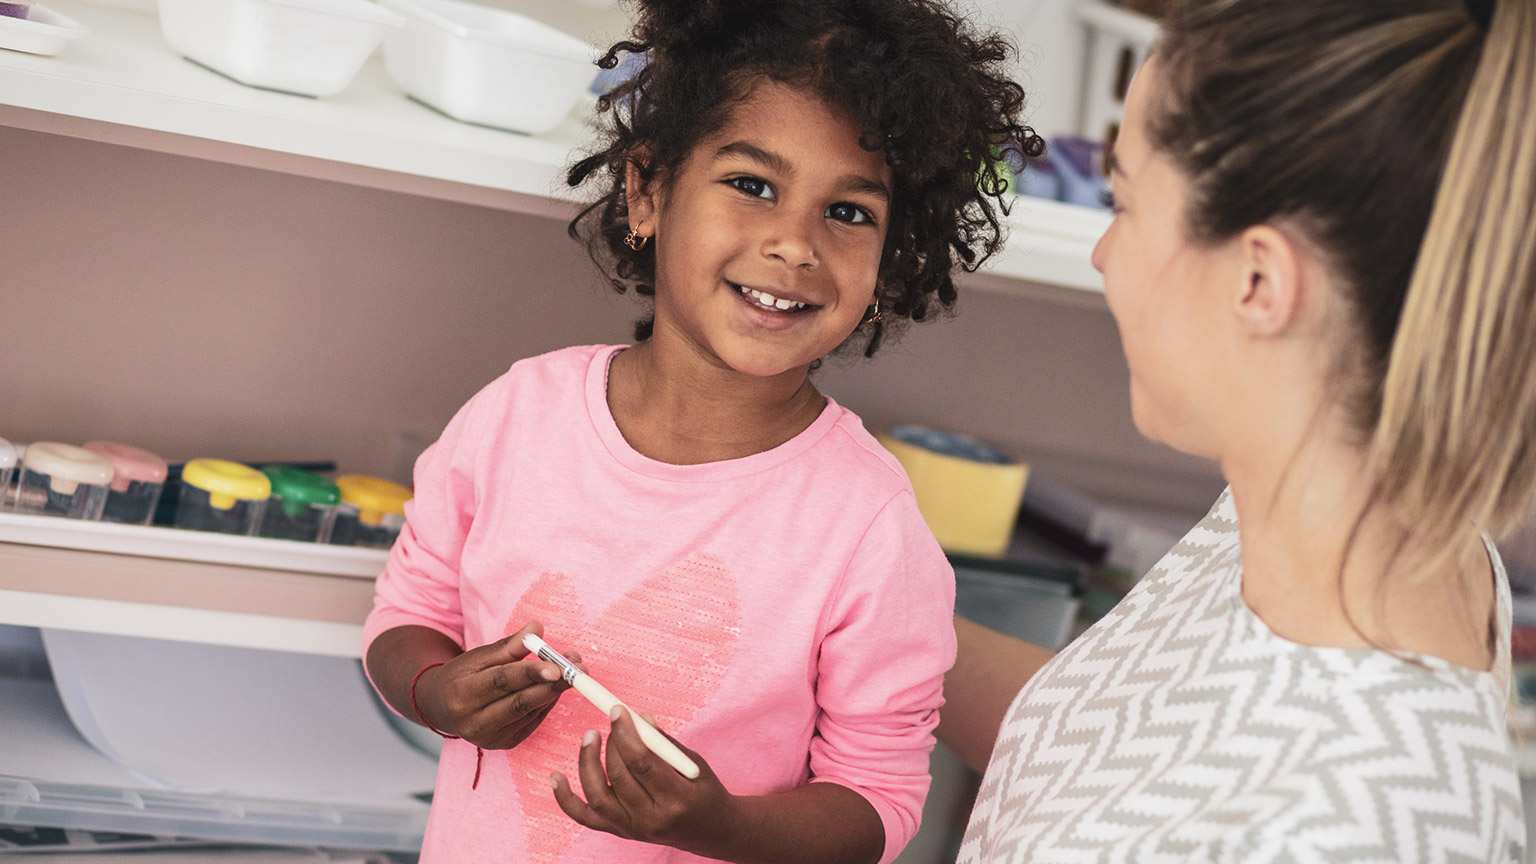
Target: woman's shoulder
1200, 571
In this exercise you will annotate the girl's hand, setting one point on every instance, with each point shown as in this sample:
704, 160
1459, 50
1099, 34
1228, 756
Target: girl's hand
640, 797
493, 696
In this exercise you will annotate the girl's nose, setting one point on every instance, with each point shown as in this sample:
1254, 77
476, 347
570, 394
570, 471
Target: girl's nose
791, 239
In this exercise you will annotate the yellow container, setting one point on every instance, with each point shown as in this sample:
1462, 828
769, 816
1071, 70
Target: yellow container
374, 498
968, 492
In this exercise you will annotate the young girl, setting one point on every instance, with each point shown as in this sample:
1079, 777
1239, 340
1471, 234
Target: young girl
720, 544
1323, 268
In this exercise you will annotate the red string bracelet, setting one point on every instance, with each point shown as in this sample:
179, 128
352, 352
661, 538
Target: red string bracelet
479, 754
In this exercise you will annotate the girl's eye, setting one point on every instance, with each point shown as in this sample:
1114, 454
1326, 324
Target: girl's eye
1107, 198
753, 186
851, 213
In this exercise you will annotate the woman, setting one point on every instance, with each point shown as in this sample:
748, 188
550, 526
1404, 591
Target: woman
1323, 268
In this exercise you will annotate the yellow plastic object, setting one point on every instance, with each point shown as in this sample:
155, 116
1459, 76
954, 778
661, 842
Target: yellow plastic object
969, 506
226, 482
373, 497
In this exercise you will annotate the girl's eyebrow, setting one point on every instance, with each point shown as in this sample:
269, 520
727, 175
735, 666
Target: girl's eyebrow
772, 160
779, 165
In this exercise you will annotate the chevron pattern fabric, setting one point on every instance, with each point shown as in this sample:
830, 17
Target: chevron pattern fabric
1181, 729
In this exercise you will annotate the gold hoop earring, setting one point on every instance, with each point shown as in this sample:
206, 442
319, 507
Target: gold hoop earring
634, 241
872, 315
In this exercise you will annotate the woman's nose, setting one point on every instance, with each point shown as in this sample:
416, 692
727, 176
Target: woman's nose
1097, 258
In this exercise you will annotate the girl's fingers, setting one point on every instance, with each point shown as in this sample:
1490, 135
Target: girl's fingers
508, 650
632, 768
510, 679
511, 651
514, 732
579, 810
532, 700
594, 781
496, 700
697, 759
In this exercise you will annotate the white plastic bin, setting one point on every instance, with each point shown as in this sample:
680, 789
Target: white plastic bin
308, 47
40, 31
487, 66
1117, 41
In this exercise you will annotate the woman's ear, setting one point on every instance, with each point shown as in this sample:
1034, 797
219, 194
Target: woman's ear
1271, 292
640, 196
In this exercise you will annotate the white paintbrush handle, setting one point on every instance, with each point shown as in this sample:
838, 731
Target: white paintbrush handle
659, 744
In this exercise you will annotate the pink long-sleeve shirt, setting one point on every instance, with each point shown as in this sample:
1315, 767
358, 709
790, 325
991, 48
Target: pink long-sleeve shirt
786, 615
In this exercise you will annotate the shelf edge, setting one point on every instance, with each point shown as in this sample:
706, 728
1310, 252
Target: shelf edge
204, 626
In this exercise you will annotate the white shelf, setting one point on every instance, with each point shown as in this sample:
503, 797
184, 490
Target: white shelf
185, 601
190, 586
1050, 243
124, 85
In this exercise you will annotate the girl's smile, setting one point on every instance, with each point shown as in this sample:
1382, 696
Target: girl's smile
770, 302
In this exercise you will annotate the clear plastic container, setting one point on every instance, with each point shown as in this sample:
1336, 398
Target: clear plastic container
221, 496
372, 512
63, 480
137, 481
487, 66
302, 507
7, 471
308, 47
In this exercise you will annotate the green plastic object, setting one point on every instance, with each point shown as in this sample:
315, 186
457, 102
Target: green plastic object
300, 489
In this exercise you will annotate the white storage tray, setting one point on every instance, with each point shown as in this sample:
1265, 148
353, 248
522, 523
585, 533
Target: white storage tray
77, 787
43, 31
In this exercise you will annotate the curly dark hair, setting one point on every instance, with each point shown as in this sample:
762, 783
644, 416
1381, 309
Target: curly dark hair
926, 90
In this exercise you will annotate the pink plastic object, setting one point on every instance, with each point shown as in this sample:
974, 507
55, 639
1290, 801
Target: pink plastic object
137, 483
131, 464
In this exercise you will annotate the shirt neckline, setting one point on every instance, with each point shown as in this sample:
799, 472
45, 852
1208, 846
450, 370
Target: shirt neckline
1363, 659
607, 430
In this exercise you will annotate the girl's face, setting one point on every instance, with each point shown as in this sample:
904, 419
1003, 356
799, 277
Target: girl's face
1165, 292
769, 237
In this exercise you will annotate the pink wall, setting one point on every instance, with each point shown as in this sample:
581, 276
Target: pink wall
203, 309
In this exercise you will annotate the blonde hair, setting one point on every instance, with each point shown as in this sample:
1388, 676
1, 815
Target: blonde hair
1455, 445
1400, 135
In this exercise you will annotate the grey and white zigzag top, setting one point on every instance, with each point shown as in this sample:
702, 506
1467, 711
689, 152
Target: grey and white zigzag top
1180, 728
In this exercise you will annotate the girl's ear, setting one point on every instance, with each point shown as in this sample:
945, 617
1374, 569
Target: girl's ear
1269, 296
640, 196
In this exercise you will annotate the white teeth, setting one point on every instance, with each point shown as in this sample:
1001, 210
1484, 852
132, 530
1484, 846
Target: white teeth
763, 298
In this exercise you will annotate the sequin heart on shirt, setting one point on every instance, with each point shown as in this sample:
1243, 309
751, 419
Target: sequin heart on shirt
663, 648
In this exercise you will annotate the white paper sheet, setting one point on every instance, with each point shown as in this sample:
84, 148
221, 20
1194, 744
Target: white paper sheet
239, 721
38, 742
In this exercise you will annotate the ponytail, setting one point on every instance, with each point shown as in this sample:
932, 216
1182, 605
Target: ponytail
1455, 443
